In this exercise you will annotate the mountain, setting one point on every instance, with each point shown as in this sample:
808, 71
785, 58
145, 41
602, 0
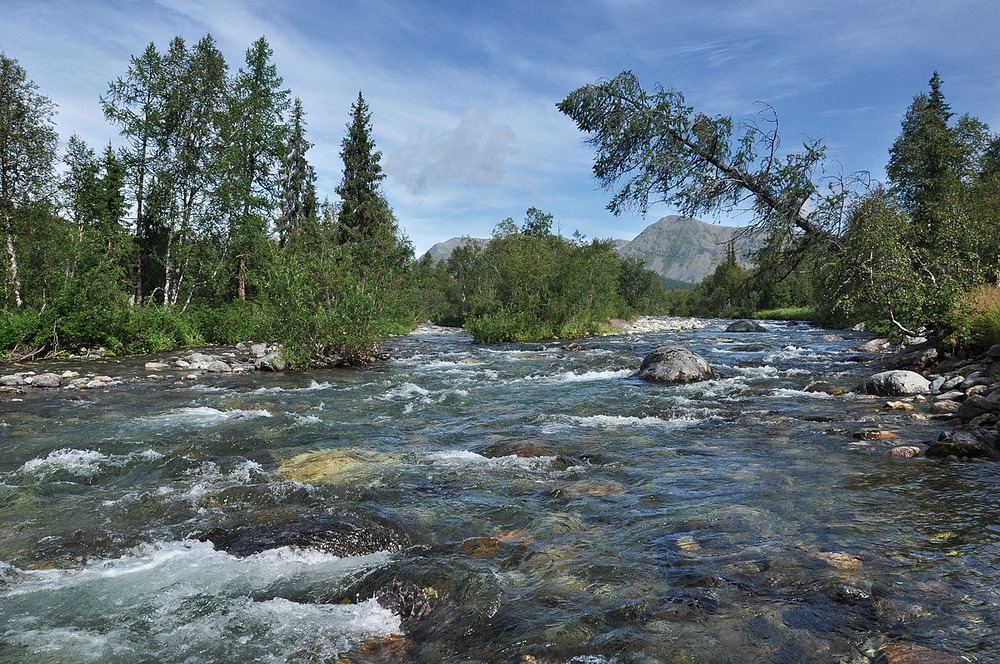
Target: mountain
688, 249
678, 248
442, 250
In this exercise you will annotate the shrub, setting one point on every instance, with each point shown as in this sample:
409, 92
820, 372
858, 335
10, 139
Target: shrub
973, 322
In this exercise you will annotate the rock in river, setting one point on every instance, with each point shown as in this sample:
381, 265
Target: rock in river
339, 536
746, 326
668, 365
896, 383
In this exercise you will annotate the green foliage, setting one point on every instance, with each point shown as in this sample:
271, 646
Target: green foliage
656, 146
528, 284
974, 320
786, 313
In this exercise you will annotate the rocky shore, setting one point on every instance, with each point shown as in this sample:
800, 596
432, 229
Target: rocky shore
95, 371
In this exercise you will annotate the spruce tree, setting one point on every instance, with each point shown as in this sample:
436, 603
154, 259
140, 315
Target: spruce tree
925, 162
362, 207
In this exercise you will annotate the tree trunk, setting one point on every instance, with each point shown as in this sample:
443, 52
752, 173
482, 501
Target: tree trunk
243, 278
15, 276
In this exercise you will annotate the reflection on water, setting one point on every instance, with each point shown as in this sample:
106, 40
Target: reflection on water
495, 504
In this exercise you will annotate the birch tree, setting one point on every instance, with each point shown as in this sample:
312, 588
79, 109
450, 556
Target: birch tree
28, 144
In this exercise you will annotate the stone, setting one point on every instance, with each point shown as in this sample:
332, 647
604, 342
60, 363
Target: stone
342, 537
898, 405
12, 380
895, 383
904, 653
200, 360
994, 352
952, 382
258, 350
218, 367
976, 405
840, 560
271, 362
45, 380
874, 346
945, 407
746, 326
904, 452
966, 444
669, 365
156, 366
951, 395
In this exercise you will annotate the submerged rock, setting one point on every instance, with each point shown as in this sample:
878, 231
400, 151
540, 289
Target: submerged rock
668, 365
332, 465
338, 536
895, 383
904, 653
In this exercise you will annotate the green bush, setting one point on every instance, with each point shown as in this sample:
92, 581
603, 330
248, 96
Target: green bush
973, 322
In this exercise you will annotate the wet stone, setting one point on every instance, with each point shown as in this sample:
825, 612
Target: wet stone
340, 537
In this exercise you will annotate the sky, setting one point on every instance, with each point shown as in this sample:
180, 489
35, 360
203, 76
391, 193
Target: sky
463, 93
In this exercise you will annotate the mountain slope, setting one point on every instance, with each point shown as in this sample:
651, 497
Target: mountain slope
687, 249
674, 247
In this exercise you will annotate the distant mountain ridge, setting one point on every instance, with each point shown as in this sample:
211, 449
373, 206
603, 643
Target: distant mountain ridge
675, 247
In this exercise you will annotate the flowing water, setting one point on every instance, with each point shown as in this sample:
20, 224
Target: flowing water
512, 503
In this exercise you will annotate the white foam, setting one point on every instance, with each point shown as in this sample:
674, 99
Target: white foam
461, 458
312, 387
82, 463
203, 416
172, 600
562, 422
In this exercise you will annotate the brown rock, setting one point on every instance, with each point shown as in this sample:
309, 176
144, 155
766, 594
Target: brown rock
904, 653
945, 407
898, 405
904, 452
840, 560
876, 434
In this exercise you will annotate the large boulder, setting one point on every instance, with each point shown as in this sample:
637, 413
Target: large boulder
669, 365
897, 383
746, 326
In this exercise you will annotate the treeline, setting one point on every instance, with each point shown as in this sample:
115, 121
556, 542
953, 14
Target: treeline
917, 254
205, 227
529, 283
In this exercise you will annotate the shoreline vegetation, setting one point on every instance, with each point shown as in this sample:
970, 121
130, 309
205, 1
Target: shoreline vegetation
205, 226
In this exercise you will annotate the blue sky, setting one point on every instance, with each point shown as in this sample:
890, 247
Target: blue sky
463, 93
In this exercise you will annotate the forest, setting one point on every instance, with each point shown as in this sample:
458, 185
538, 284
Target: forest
204, 225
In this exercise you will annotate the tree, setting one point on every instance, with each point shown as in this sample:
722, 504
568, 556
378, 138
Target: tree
190, 145
925, 162
28, 143
255, 139
655, 147
366, 223
362, 207
298, 181
135, 104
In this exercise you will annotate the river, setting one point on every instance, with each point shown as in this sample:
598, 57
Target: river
523, 503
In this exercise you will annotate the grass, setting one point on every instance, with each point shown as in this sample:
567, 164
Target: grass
786, 313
